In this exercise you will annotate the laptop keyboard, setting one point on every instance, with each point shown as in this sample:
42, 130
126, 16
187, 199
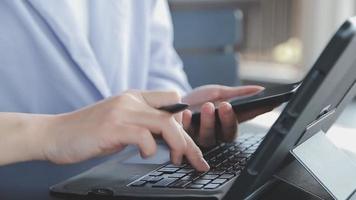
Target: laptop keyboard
226, 161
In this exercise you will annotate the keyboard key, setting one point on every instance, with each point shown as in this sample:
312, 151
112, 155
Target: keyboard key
168, 170
191, 177
196, 186
175, 166
243, 162
249, 151
219, 181
180, 184
146, 178
177, 175
242, 155
155, 179
216, 172
209, 176
230, 170
202, 181
164, 182
155, 173
138, 183
211, 186
227, 176
186, 171
226, 160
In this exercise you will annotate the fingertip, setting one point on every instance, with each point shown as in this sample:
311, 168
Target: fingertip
252, 89
178, 161
226, 111
205, 166
148, 152
225, 107
187, 114
208, 107
200, 165
259, 87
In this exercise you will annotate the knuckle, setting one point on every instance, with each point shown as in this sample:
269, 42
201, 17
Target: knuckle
118, 102
171, 121
166, 119
144, 135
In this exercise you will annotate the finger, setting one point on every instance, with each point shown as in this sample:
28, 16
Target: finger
186, 120
179, 117
188, 126
142, 138
177, 147
230, 92
157, 99
162, 123
195, 156
228, 122
206, 136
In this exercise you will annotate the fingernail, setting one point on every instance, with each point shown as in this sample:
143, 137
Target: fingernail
211, 109
227, 106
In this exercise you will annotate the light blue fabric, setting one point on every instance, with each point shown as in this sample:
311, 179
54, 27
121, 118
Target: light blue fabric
47, 65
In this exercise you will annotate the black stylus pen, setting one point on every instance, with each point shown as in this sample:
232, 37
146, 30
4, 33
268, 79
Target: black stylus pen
175, 108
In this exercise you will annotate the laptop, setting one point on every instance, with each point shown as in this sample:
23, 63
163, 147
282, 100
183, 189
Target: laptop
240, 167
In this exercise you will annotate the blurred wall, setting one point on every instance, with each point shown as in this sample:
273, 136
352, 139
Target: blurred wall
319, 19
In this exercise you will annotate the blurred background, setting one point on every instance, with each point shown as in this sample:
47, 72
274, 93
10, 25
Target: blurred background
267, 42
272, 41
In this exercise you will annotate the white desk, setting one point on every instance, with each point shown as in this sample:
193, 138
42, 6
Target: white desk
343, 133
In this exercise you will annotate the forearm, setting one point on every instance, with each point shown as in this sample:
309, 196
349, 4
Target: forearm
21, 137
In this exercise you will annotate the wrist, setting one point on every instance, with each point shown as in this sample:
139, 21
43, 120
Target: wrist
44, 131
38, 131
21, 137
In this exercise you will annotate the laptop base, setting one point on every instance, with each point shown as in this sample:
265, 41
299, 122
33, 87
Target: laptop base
327, 165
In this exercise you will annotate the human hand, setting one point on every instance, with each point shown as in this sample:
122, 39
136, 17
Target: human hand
112, 124
207, 133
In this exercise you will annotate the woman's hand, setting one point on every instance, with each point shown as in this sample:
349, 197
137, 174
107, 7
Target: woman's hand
108, 127
203, 96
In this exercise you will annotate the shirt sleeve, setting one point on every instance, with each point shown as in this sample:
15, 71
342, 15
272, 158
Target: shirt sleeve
166, 68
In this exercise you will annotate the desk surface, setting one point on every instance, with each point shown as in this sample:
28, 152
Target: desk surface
344, 136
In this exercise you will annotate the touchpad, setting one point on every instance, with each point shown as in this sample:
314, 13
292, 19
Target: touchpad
161, 157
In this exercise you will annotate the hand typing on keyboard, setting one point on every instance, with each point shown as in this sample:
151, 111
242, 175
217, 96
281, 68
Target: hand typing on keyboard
226, 160
207, 133
132, 118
